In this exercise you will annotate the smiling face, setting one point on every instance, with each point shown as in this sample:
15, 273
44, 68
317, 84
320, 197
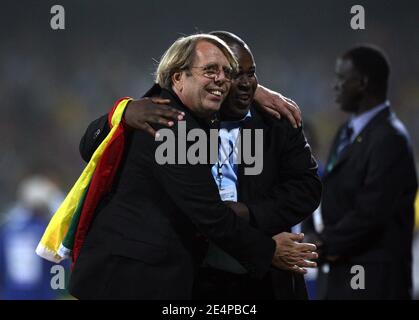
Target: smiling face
198, 88
243, 85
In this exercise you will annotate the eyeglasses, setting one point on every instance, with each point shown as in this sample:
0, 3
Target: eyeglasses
212, 71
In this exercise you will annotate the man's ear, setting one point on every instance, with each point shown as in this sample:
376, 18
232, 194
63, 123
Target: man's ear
177, 80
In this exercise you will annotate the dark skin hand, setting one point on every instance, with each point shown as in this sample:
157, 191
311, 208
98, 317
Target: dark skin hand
291, 254
140, 114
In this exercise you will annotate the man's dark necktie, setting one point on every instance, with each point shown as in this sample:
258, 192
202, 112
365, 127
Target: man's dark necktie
344, 141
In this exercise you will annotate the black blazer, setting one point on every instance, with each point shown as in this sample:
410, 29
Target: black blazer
286, 192
368, 210
143, 242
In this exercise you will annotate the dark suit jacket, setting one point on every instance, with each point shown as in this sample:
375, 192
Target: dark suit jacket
286, 192
143, 244
368, 211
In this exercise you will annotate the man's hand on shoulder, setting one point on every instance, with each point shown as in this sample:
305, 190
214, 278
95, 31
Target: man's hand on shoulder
141, 114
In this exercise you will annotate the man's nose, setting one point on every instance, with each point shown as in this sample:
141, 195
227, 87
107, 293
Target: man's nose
243, 82
220, 77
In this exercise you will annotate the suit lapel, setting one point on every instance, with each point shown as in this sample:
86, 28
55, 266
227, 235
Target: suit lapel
349, 150
332, 161
255, 122
344, 155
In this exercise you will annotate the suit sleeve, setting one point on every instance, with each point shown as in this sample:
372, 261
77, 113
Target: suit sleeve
95, 133
383, 188
297, 193
193, 190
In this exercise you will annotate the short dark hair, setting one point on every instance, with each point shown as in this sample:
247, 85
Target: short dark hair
373, 63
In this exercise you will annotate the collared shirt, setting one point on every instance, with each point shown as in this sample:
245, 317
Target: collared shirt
225, 175
359, 122
227, 158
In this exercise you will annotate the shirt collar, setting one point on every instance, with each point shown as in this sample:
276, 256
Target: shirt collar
247, 116
359, 122
236, 123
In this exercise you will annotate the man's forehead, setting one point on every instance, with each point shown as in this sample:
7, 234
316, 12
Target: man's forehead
209, 53
246, 66
244, 56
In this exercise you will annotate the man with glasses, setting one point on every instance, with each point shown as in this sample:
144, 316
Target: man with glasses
143, 242
285, 192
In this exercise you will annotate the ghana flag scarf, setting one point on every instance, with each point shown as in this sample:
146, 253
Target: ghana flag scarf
68, 227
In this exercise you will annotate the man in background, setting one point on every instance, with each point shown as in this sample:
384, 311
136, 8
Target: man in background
23, 275
370, 185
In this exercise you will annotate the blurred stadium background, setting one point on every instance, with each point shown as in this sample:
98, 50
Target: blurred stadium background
53, 83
